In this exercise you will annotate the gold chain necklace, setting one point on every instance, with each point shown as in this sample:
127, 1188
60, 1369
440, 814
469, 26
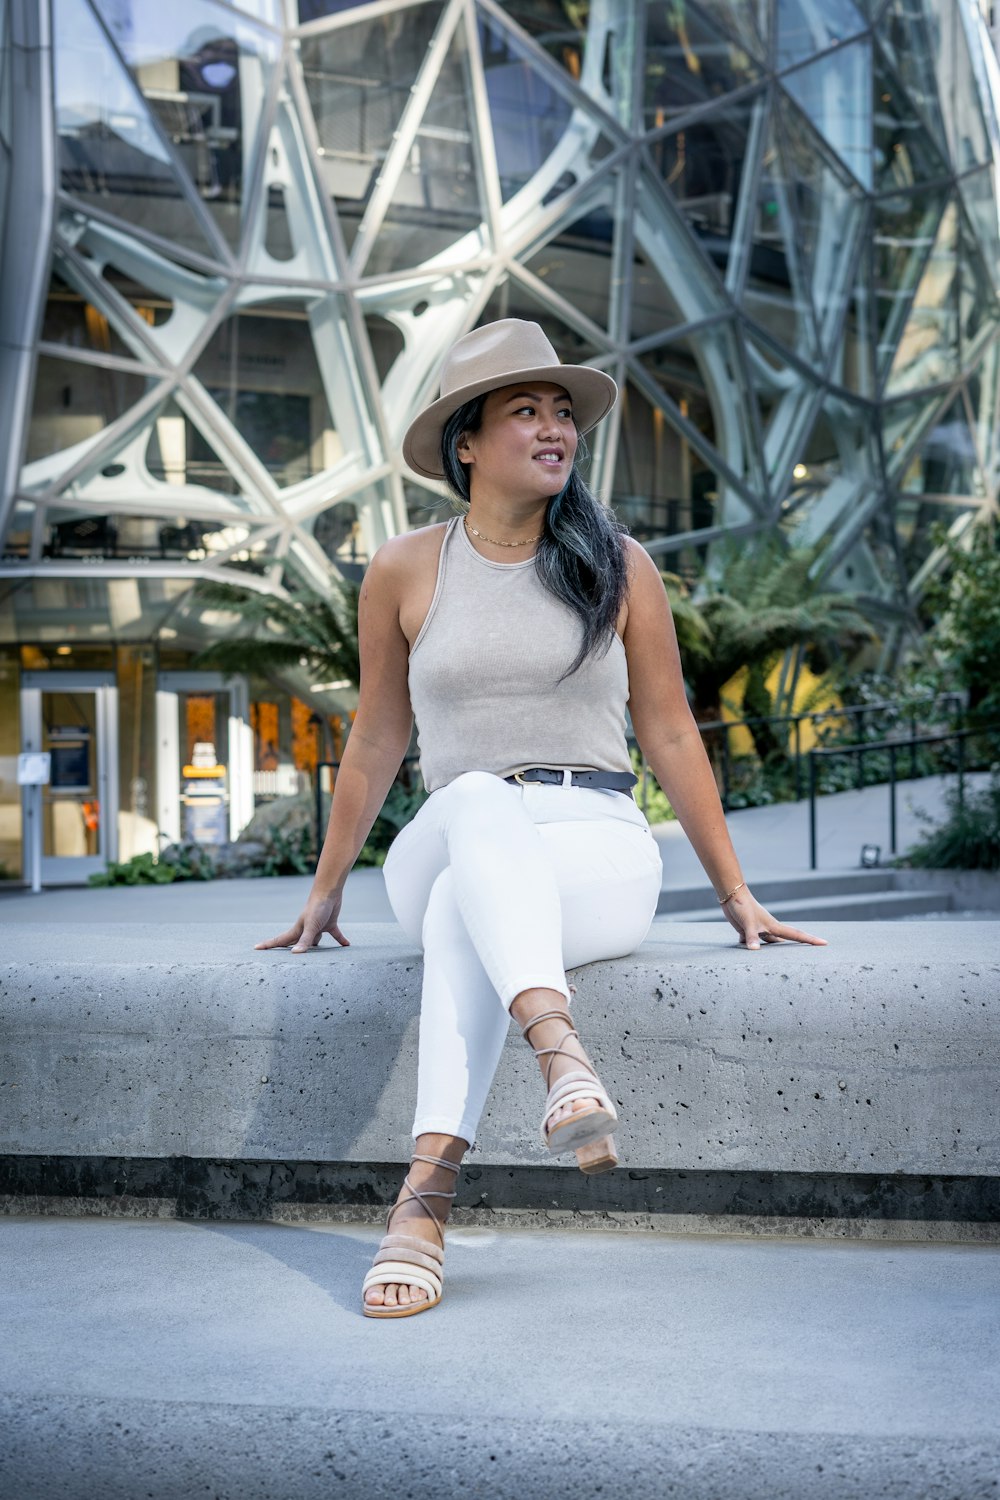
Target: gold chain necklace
493, 543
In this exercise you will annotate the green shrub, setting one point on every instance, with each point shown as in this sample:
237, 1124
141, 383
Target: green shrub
141, 869
657, 808
970, 837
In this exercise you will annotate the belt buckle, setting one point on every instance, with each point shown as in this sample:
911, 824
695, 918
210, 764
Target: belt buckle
519, 778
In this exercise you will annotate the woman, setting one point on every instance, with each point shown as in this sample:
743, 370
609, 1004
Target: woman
515, 633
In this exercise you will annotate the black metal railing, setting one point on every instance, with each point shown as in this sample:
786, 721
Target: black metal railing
892, 748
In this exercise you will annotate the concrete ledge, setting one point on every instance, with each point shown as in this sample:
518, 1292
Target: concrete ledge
875, 1055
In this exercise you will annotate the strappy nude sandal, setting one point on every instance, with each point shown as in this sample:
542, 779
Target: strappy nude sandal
404, 1259
585, 1131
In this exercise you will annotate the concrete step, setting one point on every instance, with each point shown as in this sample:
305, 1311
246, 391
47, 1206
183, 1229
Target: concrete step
862, 906
814, 883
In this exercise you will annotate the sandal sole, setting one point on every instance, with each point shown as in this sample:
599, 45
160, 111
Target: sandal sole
373, 1310
584, 1129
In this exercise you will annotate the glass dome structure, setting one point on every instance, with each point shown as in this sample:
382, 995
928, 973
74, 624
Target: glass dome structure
240, 237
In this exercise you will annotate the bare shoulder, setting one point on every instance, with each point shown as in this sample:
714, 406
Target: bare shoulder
400, 554
643, 574
407, 566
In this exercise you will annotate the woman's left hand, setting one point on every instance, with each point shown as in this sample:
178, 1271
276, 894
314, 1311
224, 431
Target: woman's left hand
755, 924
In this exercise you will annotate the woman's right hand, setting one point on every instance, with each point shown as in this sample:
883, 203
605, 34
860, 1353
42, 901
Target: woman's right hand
320, 916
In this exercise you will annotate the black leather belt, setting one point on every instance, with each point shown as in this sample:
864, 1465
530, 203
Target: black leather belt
615, 781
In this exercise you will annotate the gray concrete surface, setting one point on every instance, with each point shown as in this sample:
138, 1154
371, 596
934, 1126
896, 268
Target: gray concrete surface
875, 1054
168, 1360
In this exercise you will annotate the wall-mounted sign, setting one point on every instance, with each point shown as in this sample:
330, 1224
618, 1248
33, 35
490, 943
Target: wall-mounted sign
33, 768
70, 750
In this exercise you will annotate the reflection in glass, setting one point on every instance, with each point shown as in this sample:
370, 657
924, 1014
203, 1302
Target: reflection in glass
261, 367
803, 28
72, 320
358, 81
529, 117
436, 205
904, 231
74, 401
928, 348
577, 264
178, 453
703, 164
836, 94
662, 486
946, 462
71, 802
560, 29
109, 151
688, 61
905, 153
203, 71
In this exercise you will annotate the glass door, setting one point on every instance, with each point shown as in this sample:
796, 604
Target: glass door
73, 716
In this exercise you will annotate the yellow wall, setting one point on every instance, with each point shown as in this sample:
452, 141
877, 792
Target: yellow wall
741, 740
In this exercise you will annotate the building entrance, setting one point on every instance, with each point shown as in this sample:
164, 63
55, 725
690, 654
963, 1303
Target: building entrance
204, 757
74, 716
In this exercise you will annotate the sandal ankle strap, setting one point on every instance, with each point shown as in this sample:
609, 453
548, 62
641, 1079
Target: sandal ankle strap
421, 1194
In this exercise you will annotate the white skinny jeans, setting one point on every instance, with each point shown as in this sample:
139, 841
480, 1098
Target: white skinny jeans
505, 887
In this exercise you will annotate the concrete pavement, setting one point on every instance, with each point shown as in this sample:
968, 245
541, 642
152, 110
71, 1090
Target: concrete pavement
166, 1360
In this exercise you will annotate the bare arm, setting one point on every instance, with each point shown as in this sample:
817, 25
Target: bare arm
671, 742
375, 748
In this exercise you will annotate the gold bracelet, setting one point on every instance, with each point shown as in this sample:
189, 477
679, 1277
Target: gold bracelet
723, 899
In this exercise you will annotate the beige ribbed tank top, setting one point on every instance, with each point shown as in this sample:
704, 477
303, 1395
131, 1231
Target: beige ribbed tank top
483, 675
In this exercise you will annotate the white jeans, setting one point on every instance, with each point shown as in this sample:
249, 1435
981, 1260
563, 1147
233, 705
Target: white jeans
505, 887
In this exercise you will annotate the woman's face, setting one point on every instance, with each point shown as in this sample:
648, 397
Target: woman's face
527, 441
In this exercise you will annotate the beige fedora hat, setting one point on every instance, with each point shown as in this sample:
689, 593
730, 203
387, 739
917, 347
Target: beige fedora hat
499, 354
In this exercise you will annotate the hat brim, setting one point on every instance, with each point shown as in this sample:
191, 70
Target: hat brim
593, 394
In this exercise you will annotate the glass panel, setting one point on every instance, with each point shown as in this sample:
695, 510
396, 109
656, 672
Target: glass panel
10, 744
204, 72
984, 398
703, 167
906, 37
902, 421
75, 401
436, 206
905, 228
905, 152
109, 152
529, 117
339, 532
70, 319
203, 769
653, 307
71, 808
512, 300
804, 28
136, 675
17, 542
979, 195
698, 372
577, 264
688, 62
946, 462
560, 29
358, 79
261, 368
959, 91
928, 348
662, 485
978, 313
742, 19
5, 55
826, 212
178, 453
835, 93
